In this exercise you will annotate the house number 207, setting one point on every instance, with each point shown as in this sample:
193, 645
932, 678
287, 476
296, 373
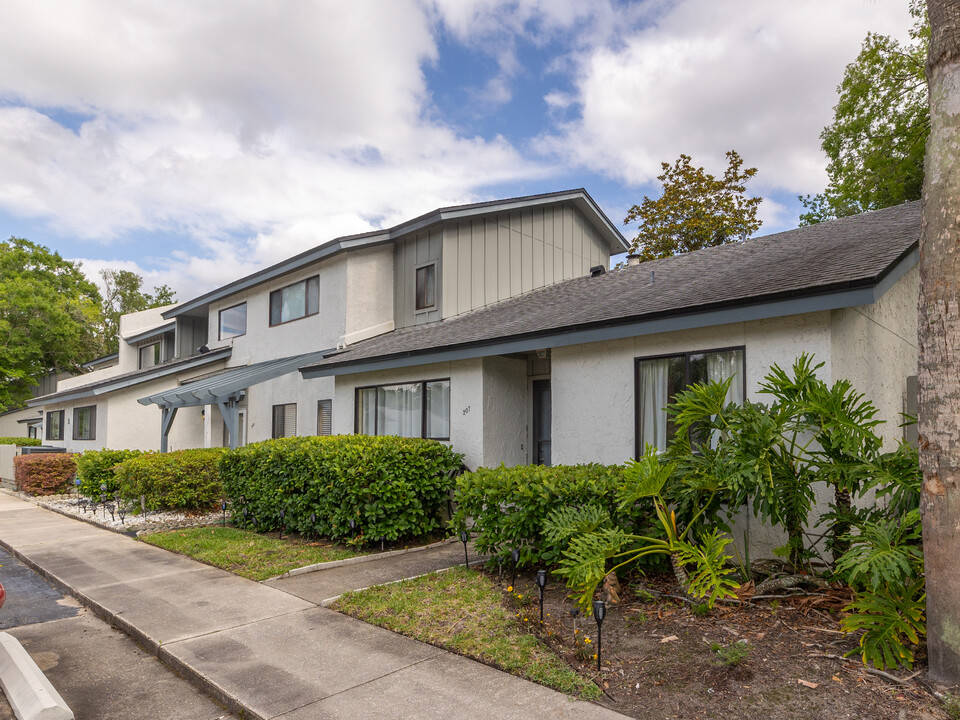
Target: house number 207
466, 410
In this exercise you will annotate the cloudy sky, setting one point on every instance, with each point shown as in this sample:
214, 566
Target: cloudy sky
195, 142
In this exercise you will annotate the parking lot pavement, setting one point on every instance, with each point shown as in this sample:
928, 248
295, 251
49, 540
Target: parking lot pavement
98, 670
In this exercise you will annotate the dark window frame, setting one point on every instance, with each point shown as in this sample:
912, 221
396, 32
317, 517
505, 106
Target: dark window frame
47, 433
220, 335
273, 421
93, 422
423, 406
278, 293
416, 287
328, 403
637, 450
158, 354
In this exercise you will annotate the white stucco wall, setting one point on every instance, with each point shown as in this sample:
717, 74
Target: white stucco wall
9, 425
369, 283
506, 411
289, 388
875, 348
593, 385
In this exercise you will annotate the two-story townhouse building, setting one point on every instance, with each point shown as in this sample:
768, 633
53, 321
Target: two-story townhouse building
221, 369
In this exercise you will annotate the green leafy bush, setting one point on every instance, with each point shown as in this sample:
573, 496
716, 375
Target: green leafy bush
510, 507
21, 441
181, 480
44, 473
95, 469
390, 487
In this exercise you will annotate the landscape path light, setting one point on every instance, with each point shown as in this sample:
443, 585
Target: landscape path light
464, 538
223, 510
599, 612
541, 587
313, 522
76, 482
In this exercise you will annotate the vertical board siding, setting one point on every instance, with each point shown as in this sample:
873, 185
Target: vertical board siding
410, 253
485, 260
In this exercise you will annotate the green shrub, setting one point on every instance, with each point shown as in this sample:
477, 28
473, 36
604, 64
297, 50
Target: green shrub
510, 506
95, 469
44, 473
181, 480
390, 487
21, 441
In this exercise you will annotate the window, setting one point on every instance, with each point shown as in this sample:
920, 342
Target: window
419, 409
85, 423
149, 355
285, 420
426, 286
55, 425
233, 321
295, 301
325, 417
659, 379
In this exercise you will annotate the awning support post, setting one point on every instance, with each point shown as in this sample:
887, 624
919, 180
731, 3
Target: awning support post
167, 414
230, 411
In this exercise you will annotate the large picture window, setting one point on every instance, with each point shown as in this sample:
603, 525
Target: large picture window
55, 425
417, 409
85, 423
233, 321
295, 301
659, 379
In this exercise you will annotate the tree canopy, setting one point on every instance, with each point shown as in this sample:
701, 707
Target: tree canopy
122, 294
48, 317
876, 141
695, 210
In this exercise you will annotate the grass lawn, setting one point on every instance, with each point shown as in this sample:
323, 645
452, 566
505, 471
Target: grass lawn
246, 553
462, 610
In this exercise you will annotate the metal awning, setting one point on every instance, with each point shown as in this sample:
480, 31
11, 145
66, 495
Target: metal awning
224, 390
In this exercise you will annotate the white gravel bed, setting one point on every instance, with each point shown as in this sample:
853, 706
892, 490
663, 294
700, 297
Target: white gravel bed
153, 521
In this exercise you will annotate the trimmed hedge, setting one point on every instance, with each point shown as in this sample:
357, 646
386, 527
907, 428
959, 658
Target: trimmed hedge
392, 488
21, 441
509, 505
180, 480
95, 468
44, 473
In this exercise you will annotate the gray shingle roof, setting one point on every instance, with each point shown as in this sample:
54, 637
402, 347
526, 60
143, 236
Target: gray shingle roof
849, 253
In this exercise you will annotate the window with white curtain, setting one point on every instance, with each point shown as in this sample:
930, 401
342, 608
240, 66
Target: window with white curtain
659, 379
416, 409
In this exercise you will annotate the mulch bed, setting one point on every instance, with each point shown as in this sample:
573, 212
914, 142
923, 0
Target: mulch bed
657, 660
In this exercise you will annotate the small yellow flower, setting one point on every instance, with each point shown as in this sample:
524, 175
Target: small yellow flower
594, 656
519, 596
586, 639
577, 631
526, 620
510, 589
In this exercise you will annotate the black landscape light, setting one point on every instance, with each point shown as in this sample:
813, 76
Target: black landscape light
122, 512
599, 612
541, 587
313, 522
464, 537
283, 514
76, 482
223, 510
103, 498
516, 561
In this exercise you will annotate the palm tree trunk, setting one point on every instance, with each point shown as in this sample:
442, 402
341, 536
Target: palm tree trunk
939, 345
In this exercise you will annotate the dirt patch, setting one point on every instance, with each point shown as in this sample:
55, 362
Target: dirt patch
776, 660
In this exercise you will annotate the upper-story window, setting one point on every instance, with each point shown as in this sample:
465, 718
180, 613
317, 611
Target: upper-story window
426, 287
149, 355
233, 321
295, 301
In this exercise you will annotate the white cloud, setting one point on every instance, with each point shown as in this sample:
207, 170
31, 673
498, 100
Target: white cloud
705, 76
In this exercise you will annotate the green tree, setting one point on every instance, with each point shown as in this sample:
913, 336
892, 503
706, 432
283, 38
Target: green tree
876, 141
123, 294
49, 313
695, 210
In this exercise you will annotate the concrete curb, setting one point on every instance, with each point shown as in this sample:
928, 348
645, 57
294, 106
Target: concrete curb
316, 567
30, 694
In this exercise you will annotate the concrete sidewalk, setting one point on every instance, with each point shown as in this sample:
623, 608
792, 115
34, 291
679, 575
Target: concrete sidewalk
257, 649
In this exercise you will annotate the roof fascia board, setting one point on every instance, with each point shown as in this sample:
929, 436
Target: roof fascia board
899, 269
159, 330
763, 311
580, 197
82, 392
